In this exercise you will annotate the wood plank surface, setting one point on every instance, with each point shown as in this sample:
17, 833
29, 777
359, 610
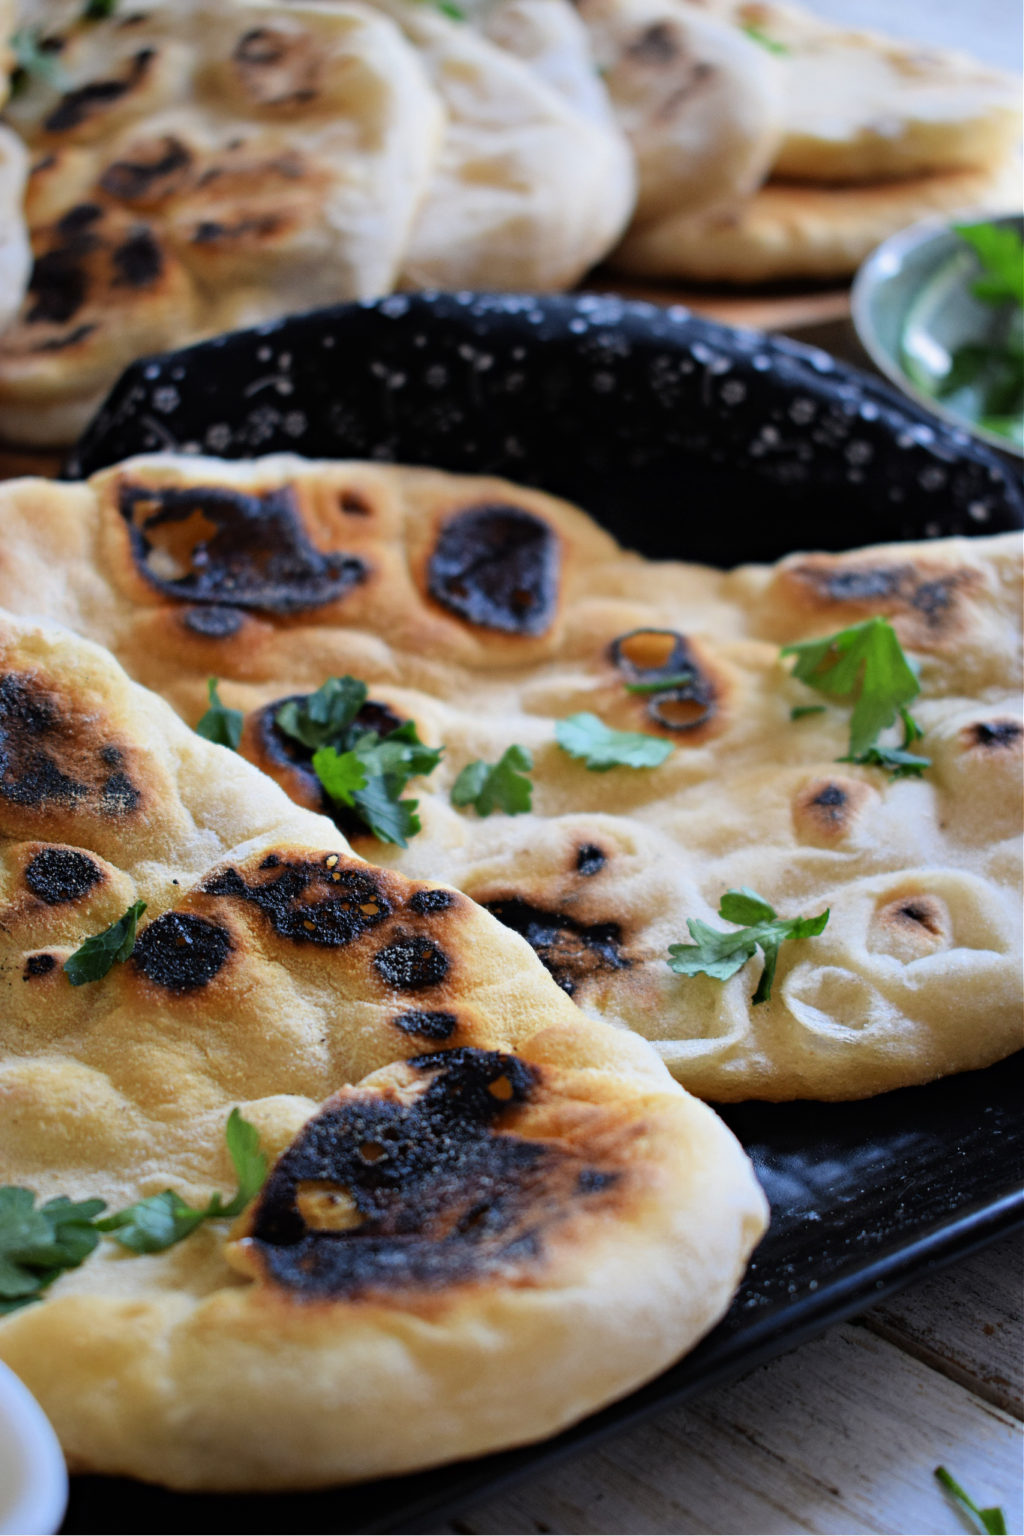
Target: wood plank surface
842, 1435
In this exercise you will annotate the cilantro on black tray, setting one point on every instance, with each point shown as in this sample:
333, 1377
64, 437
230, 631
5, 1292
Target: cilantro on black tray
496, 786
720, 955
38, 1243
588, 738
94, 958
360, 768
865, 666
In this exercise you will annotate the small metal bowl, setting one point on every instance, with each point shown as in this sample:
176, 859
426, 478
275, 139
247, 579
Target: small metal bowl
33, 1479
913, 308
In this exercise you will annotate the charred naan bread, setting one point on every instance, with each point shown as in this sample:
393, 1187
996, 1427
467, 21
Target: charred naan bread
15, 255
205, 168
475, 1186
860, 107
699, 102
534, 182
485, 612
793, 229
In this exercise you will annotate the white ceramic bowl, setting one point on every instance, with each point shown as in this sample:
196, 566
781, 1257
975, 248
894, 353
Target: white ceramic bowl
33, 1478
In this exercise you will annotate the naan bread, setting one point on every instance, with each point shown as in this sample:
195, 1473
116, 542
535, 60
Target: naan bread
489, 1215
699, 102
208, 168
530, 188
790, 230
485, 612
860, 107
15, 255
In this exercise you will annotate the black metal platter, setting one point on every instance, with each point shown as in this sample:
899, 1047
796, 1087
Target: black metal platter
688, 440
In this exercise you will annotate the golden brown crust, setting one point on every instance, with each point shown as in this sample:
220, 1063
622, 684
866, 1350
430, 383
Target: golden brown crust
551, 619
460, 1207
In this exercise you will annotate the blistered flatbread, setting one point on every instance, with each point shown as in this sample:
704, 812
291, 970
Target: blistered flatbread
699, 102
15, 255
486, 612
534, 183
200, 168
487, 1214
792, 229
860, 107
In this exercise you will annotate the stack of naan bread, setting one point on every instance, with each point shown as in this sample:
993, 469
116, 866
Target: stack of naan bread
198, 168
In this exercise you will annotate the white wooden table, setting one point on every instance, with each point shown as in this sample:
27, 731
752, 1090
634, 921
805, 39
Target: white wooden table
841, 1435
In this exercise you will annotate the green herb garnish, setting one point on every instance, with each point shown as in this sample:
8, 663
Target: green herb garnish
588, 738
1001, 253
360, 768
98, 10
801, 711
37, 1245
220, 724
160, 1221
721, 955
765, 41
865, 666
991, 1522
496, 786
681, 680
92, 960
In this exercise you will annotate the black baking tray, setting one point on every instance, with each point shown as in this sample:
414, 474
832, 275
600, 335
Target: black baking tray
691, 440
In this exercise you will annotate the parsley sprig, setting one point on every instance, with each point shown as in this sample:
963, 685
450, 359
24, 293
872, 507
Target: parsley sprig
33, 60
721, 955
1000, 251
865, 666
758, 36
990, 1522
496, 786
360, 768
39, 1243
220, 724
586, 737
96, 955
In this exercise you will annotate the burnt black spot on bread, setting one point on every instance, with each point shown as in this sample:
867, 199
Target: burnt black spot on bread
212, 544
56, 875
933, 598
649, 657
431, 1193
86, 100
497, 566
436, 1025
70, 339
572, 951
994, 734
329, 903
134, 180
214, 623
81, 217
137, 261
590, 859
425, 902
57, 287
922, 912
181, 952
38, 965
213, 232
50, 756
260, 46
411, 963
656, 44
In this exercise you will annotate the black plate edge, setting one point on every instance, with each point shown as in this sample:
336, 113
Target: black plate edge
843, 1298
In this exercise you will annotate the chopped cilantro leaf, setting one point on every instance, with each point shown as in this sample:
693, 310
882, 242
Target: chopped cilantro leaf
863, 666
991, 1522
323, 718
159, 1221
766, 42
496, 786
94, 958
36, 1245
98, 10
1001, 253
720, 955
680, 680
357, 767
801, 711
902, 763
588, 738
220, 724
